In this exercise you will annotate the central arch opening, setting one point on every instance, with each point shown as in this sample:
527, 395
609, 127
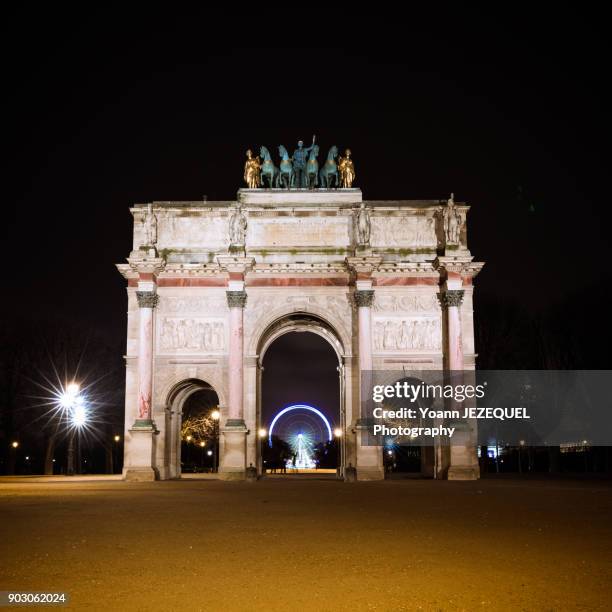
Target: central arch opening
300, 405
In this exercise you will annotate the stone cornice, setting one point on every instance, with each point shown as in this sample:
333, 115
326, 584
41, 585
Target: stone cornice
147, 265
195, 269
459, 265
363, 265
322, 269
126, 271
410, 268
239, 264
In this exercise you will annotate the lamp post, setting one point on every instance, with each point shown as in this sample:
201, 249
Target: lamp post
117, 439
13, 457
262, 433
339, 466
202, 445
216, 415
74, 403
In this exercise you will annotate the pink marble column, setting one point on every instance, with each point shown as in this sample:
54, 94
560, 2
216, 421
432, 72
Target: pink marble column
147, 300
452, 299
364, 299
236, 301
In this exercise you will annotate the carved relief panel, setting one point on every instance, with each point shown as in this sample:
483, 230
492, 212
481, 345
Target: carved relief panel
407, 334
184, 325
408, 321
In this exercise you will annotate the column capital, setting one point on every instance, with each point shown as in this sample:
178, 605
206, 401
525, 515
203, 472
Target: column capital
364, 297
236, 299
147, 299
451, 298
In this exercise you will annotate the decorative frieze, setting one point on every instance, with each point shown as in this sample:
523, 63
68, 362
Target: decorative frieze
193, 304
411, 302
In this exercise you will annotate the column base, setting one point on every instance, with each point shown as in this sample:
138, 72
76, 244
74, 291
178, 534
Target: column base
463, 473
368, 457
139, 474
370, 473
463, 456
232, 464
140, 452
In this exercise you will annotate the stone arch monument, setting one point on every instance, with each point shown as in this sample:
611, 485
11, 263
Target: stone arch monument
210, 284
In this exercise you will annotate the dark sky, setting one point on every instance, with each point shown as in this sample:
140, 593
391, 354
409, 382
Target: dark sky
104, 109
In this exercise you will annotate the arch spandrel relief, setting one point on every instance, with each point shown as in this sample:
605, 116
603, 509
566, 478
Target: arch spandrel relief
263, 309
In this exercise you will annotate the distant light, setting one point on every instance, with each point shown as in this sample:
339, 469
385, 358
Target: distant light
54, 461
117, 438
216, 415
209, 453
65, 400
73, 389
522, 442
202, 444
27, 457
188, 438
337, 432
262, 433
585, 442
389, 452
15, 444
79, 415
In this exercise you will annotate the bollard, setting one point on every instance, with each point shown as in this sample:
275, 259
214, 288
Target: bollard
350, 473
251, 473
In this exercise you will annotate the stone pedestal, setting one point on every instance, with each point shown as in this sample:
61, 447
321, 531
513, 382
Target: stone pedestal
463, 458
233, 457
141, 452
369, 458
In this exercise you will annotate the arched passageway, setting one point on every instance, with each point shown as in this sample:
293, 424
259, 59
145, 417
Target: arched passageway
300, 407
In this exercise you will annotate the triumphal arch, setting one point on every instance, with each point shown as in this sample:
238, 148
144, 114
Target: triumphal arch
211, 285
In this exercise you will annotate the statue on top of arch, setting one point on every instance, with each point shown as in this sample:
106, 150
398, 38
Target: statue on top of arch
301, 171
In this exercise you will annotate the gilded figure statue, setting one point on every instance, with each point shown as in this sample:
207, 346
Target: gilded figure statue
347, 170
252, 171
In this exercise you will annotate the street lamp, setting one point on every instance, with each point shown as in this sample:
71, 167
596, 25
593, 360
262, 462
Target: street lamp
216, 416
74, 403
15, 444
202, 445
339, 452
117, 438
262, 433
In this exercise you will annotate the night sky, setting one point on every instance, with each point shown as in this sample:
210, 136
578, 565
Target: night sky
103, 110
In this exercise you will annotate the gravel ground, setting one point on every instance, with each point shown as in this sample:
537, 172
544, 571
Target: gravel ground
308, 544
